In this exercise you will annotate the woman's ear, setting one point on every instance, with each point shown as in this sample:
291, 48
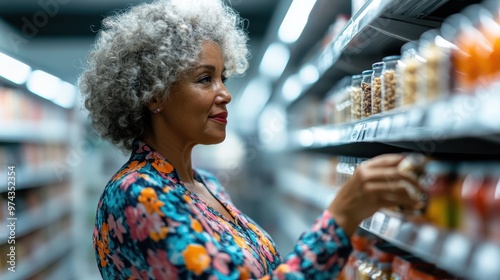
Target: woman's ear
155, 105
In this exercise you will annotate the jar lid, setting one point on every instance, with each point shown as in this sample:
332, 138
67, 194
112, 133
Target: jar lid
367, 72
358, 76
391, 58
412, 45
378, 65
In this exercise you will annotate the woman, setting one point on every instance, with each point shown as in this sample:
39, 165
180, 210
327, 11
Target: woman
154, 85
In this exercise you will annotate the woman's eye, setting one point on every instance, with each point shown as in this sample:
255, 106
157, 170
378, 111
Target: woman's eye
224, 79
205, 79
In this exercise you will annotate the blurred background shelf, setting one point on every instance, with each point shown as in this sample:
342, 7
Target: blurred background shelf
36, 218
451, 128
451, 251
46, 254
30, 177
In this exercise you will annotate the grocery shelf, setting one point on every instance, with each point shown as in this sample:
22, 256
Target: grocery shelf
303, 188
29, 177
460, 126
39, 217
63, 270
379, 27
451, 251
34, 132
51, 251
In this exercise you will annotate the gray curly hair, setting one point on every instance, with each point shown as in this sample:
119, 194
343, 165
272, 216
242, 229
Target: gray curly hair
139, 53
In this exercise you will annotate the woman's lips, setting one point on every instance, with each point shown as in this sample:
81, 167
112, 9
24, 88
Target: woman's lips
220, 117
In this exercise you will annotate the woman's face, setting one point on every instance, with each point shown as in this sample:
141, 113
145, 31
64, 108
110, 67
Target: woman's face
195, 111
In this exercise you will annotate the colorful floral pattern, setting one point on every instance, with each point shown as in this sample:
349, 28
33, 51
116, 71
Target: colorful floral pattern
149, 226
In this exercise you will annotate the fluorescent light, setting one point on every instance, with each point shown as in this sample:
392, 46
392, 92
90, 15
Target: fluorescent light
274, 60
309, 74
66, 95
291, 88
13, 70
254, 98
306, 138
43, 84
295, 20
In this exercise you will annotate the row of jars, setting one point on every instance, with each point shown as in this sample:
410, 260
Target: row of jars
460, 57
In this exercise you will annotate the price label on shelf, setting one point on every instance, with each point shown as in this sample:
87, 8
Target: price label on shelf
357, 133
369, 131
398, 125
383, 128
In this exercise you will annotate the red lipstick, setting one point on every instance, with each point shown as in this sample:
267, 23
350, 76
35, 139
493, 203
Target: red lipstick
220, 117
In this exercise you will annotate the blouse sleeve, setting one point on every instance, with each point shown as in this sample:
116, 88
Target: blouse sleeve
144, 231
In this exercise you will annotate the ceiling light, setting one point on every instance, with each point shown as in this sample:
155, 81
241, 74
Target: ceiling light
13, 70
274, 60
295, 20
43, 84
292, 88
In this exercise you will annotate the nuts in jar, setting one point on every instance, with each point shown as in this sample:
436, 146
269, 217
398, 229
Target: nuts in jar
377, 87
366, 97
389, 83
356, 92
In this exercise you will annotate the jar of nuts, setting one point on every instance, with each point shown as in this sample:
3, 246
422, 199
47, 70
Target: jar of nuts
408, 73
366, 97
389, 97
377, 87
355, 92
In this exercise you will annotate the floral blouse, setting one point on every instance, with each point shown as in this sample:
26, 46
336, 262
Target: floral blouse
149, 226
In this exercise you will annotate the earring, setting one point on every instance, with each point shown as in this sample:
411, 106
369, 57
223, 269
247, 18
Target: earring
157, 110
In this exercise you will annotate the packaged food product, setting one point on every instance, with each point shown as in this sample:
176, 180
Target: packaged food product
493, 203
360, 245
365, 271
389, 82
366, 97
376, 85
402, 264
456, 202
413, 166
473, 223
489, 26
410, 62
481, 49
356, 92
382, 271
436, 67
436, 181
342, 100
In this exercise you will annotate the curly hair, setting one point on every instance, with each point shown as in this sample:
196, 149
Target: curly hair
140, 52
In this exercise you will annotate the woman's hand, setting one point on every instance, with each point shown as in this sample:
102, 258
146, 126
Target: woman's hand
375, 184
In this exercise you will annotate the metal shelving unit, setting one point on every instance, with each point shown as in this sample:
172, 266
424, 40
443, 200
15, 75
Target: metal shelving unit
434, 129
389, 23
449, 250
459, 127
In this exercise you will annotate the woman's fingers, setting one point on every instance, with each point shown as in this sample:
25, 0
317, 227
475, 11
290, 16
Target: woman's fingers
394, 194
384, 174
386, 160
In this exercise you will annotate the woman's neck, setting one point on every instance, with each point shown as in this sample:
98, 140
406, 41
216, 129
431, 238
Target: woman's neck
177, 155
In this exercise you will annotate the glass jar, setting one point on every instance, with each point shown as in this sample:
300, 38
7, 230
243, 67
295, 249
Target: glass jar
435, 71
356, 92
377, 87
408, 73
366, 97
389, 97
